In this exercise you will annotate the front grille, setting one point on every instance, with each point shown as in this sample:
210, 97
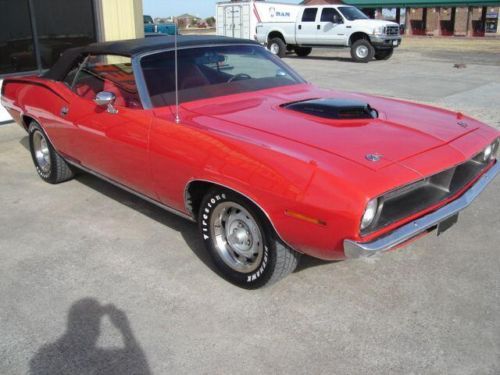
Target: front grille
392, 30
416, 197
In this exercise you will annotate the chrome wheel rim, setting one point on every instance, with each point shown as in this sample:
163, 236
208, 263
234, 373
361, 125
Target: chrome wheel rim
362, 52
274, 48
41, 150
236, 237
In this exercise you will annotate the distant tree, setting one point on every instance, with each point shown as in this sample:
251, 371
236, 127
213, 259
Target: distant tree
194, 21
210, 21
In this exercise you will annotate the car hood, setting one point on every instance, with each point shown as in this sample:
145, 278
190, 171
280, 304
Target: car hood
402, 131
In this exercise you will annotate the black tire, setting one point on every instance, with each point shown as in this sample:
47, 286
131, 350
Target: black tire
271, 263
303, 51
277, 47
49, 165
362, 51
384, 54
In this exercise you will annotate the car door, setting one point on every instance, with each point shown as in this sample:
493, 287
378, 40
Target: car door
332, 29
305, 32
112, 141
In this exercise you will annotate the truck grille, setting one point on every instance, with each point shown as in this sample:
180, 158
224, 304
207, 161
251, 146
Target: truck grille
392, 30
413, 198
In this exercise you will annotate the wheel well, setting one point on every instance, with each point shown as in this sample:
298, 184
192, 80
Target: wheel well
196, 190
27, 121
275, 34
357, 36
194, 194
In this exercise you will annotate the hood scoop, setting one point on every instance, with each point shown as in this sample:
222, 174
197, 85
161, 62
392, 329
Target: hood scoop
335, 109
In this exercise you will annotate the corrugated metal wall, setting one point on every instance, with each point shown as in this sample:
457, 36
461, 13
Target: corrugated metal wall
119, 19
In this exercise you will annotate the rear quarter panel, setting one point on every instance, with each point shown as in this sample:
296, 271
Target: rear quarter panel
41, 100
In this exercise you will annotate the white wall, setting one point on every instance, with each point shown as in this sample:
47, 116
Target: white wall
4, 115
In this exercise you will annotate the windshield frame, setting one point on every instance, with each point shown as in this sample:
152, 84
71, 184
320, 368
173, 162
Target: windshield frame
142, 87
341, 8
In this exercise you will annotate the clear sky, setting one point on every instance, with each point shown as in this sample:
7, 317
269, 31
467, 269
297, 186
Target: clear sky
198, 8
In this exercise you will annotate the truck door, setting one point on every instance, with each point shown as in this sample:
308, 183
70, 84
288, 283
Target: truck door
232, 21
332, 29
306, 27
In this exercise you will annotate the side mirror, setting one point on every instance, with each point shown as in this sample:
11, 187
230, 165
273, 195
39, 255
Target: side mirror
337, 19
106, 99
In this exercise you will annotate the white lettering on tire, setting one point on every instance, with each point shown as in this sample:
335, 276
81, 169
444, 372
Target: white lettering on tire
260, 271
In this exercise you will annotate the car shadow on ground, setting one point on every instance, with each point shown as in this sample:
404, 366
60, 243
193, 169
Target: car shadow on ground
77, 350
307, 262
187, 229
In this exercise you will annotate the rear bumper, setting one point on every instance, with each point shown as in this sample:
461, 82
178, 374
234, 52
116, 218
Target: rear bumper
405, 233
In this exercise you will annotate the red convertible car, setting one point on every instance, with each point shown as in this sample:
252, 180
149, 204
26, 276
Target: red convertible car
269, 165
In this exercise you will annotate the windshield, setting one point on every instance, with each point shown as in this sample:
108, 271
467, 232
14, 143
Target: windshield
148, 20
352, 13
207, 72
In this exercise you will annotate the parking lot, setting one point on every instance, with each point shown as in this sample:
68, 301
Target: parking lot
92, 273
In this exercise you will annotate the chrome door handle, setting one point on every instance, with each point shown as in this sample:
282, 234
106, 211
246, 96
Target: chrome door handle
64, 111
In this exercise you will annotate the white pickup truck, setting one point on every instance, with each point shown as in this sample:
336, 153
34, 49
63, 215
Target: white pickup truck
329, 26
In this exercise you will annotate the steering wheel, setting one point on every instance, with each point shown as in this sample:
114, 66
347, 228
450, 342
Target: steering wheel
239, 77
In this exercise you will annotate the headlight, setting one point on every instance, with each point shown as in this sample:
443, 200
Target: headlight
494, 149
379, 30
487, 153
370, 213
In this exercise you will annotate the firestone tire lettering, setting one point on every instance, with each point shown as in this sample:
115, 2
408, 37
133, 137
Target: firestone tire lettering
277, 260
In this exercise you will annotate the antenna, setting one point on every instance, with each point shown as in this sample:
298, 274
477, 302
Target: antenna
177, 117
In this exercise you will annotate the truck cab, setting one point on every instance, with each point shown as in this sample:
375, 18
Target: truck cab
331, 26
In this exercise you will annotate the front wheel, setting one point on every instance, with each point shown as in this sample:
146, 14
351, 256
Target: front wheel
384, 54
362, 51
277, 47
241, 242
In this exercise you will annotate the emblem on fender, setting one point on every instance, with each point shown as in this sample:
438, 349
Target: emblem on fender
373, 157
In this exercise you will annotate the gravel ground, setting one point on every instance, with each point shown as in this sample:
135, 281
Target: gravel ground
94, 280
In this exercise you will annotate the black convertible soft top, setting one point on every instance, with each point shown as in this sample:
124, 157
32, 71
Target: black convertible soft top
134, 47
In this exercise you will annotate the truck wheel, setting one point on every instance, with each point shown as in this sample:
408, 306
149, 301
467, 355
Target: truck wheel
277, 47
241, 242
383, 54
303, 51
49, 165
362, 51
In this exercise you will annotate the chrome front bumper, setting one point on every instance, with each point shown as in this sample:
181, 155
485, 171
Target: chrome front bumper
385, 40
354, 249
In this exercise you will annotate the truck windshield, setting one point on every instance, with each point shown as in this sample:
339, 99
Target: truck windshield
148, 20
207, 72
352, 13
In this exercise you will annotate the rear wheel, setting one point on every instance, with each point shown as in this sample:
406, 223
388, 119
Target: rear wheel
383, 54
277, 47
362, 51
242, 244
303, 51
49, 165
